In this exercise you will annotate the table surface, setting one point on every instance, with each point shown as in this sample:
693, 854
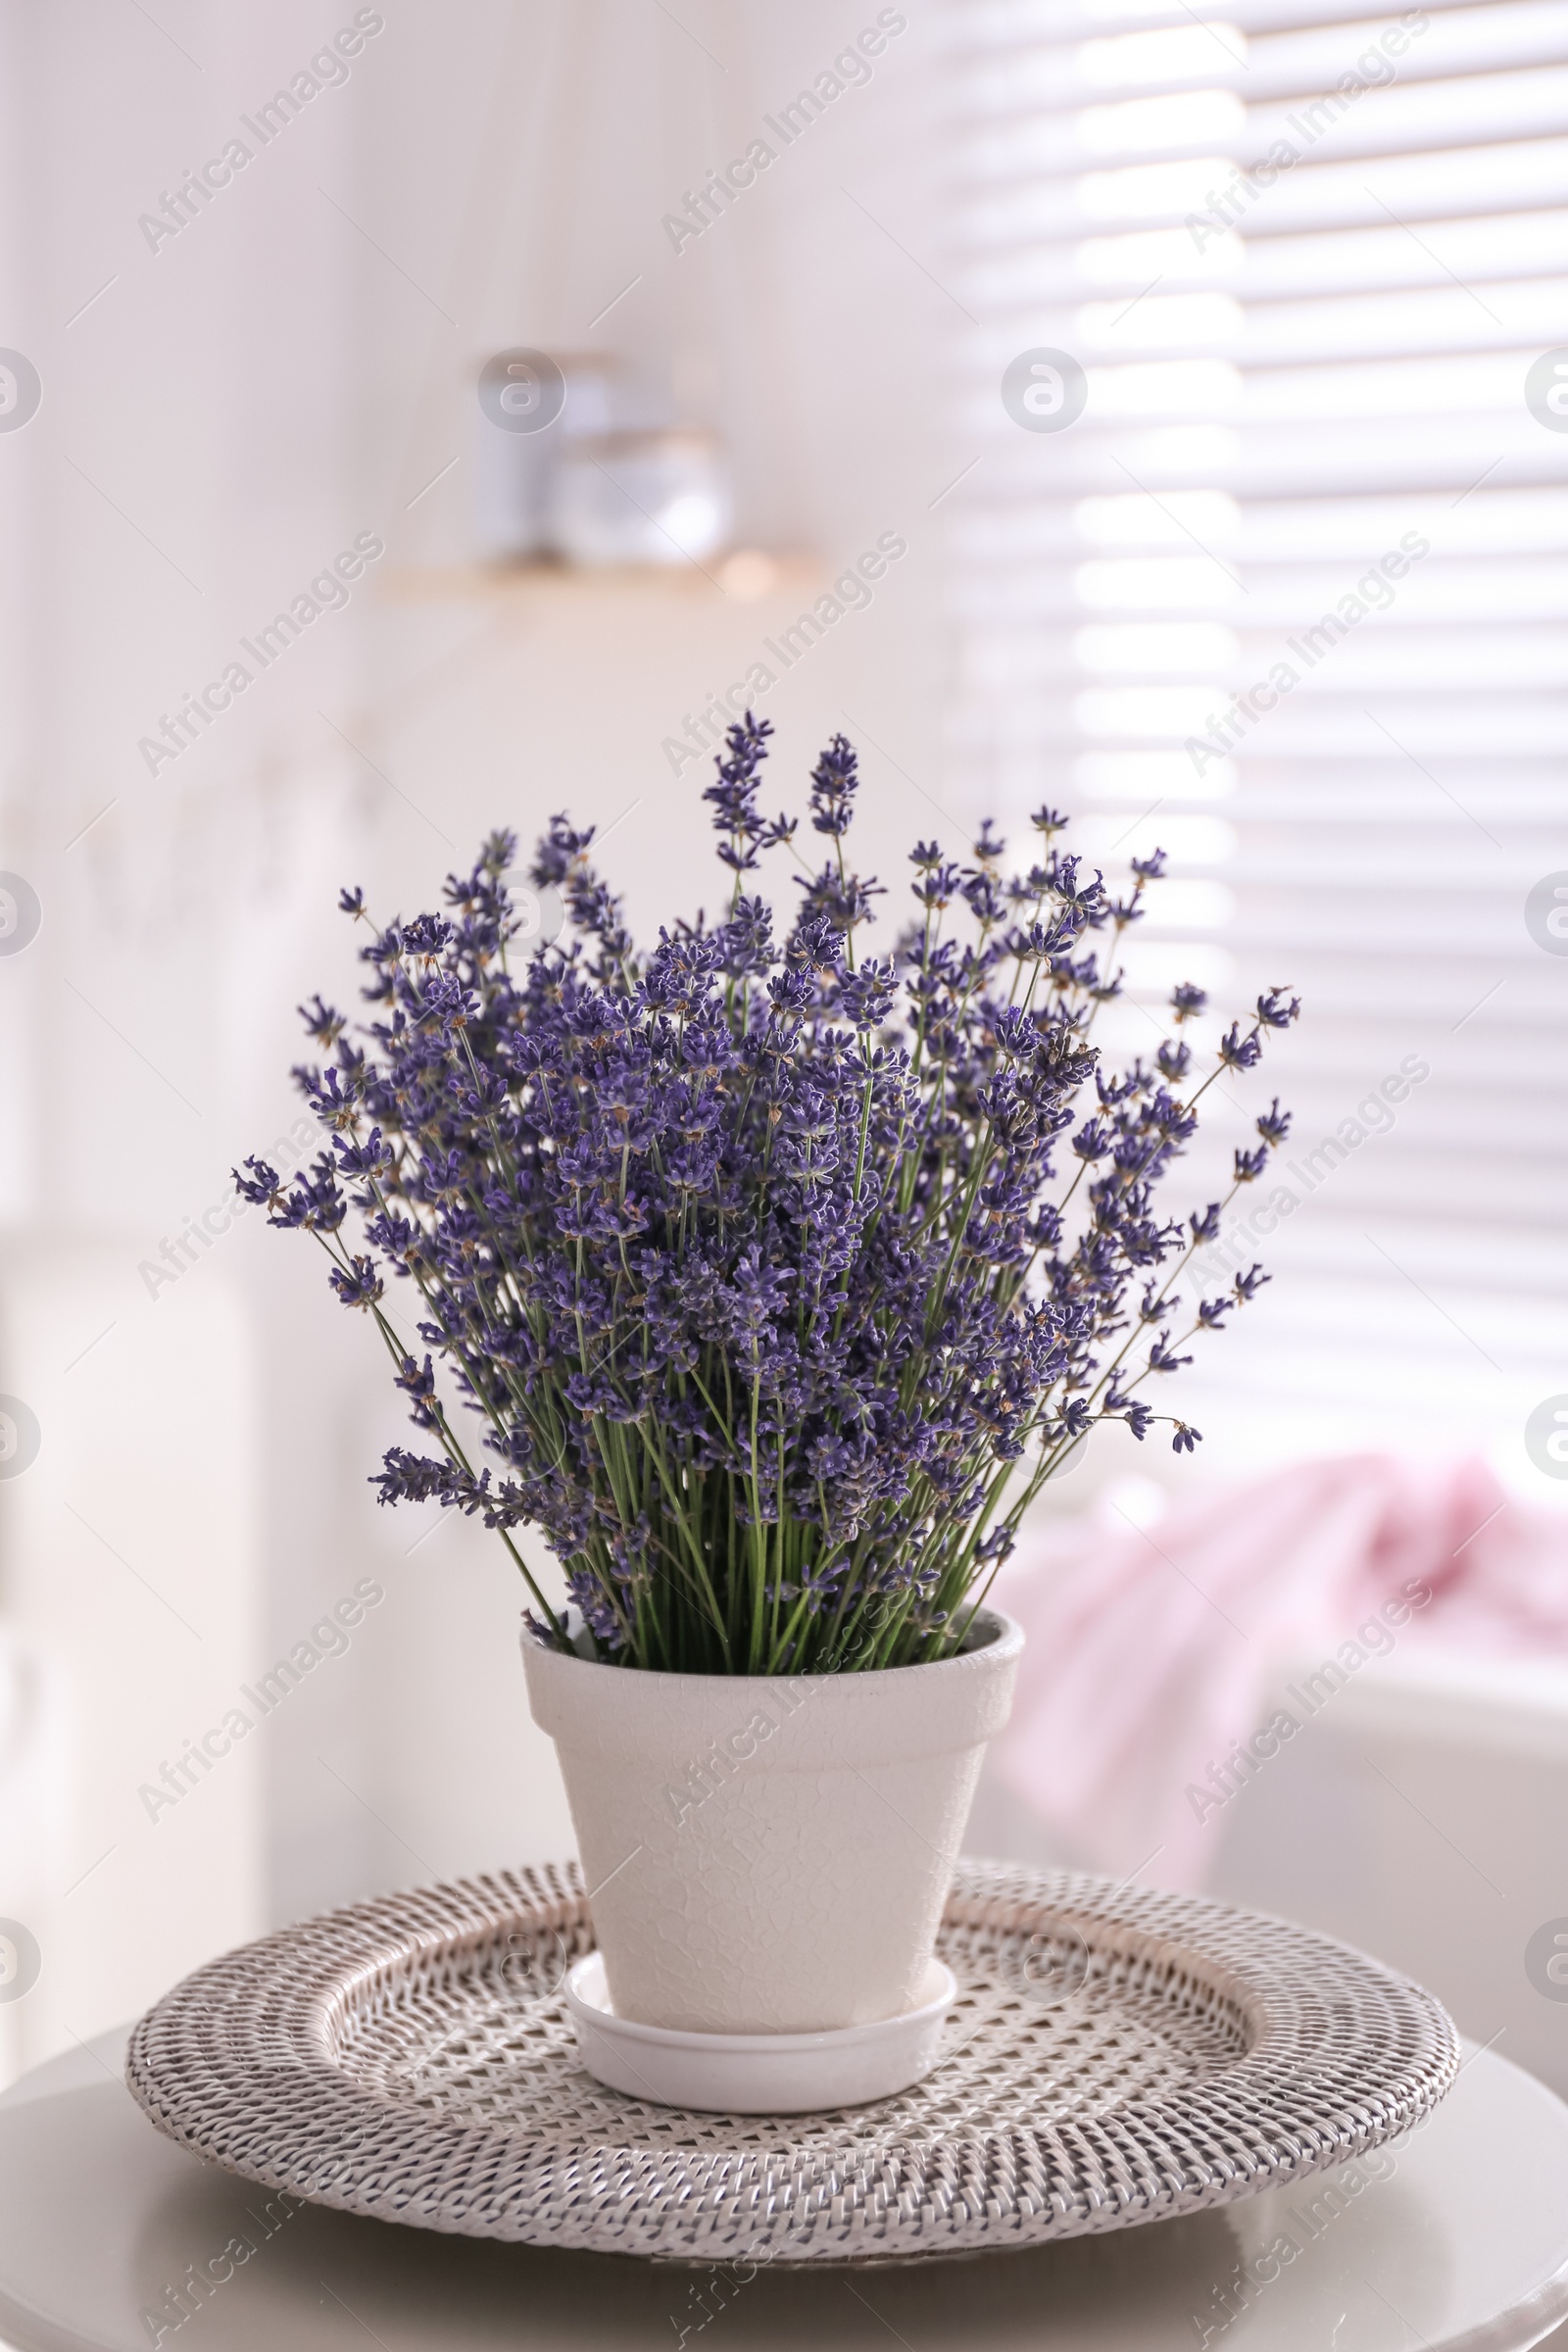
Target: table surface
1455, 2238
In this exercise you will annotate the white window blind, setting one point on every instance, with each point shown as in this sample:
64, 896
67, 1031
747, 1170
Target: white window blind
1288, 598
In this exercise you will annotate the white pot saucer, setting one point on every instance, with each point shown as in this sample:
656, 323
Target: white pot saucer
757, 2074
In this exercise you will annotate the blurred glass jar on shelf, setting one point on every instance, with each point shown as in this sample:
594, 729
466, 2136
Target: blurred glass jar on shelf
639, 498
533, 404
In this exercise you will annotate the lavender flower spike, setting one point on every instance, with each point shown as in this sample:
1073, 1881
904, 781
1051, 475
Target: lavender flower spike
767, 1280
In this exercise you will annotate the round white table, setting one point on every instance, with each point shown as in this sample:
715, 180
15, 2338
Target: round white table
1455, 2241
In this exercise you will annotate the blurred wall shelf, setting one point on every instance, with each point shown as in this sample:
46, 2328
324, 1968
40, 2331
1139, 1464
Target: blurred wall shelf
743, 577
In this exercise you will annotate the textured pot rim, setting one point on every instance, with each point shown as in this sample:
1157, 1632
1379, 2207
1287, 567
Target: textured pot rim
1001, 1646
884, 1715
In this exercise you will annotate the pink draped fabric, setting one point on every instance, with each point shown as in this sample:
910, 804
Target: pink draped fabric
1152, 1653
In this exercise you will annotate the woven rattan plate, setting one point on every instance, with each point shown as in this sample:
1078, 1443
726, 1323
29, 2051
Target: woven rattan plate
1116, 2055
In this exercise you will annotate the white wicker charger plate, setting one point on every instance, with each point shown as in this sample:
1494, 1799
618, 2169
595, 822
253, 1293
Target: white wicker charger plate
1115, 2055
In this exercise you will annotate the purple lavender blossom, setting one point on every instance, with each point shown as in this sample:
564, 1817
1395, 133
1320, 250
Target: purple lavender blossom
774, 1281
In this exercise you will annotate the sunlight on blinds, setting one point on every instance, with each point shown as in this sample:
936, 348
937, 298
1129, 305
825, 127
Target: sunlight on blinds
1287, 598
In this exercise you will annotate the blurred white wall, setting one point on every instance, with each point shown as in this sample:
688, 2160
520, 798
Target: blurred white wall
131, 1792
223, 411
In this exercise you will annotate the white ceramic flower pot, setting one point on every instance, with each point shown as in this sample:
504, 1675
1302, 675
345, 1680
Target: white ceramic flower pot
771, 1855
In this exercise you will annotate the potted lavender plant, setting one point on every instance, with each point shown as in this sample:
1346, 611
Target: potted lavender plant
753, 1262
